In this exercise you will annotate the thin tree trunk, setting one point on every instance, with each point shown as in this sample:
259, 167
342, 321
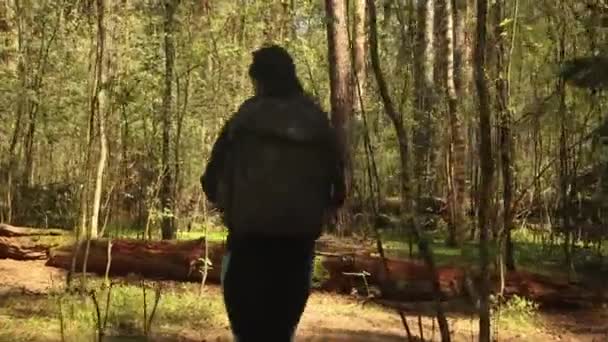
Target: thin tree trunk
167, 202
564, 169
405, 198
459, 19
487, 169
424, 58
456, 153
102, 65
505, 135
359, 57
177, 186
341, 90
22, 105
21, 109
85, 189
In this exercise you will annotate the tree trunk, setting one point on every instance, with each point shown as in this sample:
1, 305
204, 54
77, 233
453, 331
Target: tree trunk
406, 200
181, 261
170, 260
83, 216
166, 193
359, 58
505, 139
181, 114
22, 105
341, 90
24, 243
456, 151
564, 169
459, 26
102, 62
469, 22
391, 112
487, 169
7, 230
424, 58
28, 173
461, 62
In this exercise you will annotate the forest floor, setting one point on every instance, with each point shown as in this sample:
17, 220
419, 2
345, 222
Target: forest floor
32, 310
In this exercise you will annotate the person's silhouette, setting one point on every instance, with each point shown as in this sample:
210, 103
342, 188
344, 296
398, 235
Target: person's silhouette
276, 173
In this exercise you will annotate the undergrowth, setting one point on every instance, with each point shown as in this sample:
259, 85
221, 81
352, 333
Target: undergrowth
74, 315
516, 313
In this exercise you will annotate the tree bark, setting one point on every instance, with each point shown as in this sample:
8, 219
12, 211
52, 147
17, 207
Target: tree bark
424, 58
406, 200
487, 169
101, 66
24, 243
359, 58
13, 231
564, 156
180, 260
341, 90
166, 193
22, 249
459, 16
22, 105
505, 139
456, 150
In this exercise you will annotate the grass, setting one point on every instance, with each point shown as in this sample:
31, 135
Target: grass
27, 318
530, 254
215, 233
517, 313
212, 235
182, 311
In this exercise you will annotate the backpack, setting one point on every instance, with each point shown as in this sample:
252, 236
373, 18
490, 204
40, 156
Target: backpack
279, 165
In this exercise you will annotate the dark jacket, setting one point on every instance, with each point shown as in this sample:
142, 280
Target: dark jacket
211, 178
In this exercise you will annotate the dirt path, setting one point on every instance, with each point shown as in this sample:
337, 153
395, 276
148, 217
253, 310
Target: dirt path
339, 318
28, 276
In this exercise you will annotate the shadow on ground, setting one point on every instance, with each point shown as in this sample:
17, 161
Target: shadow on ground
341, 335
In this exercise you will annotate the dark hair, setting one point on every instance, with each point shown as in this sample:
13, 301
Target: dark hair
273, 68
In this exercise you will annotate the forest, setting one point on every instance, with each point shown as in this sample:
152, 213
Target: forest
474, 134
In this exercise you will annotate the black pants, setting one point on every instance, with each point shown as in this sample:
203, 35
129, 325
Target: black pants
266, 286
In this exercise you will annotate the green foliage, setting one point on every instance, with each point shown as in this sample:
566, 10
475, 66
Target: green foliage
179, 306
320, 273
516, 313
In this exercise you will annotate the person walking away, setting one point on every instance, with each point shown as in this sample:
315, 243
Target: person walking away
276, 175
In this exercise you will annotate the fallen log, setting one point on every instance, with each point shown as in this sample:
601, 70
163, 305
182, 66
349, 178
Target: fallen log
20, 249
181, 261
408, 280
22, 243
163, 260
7, 230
